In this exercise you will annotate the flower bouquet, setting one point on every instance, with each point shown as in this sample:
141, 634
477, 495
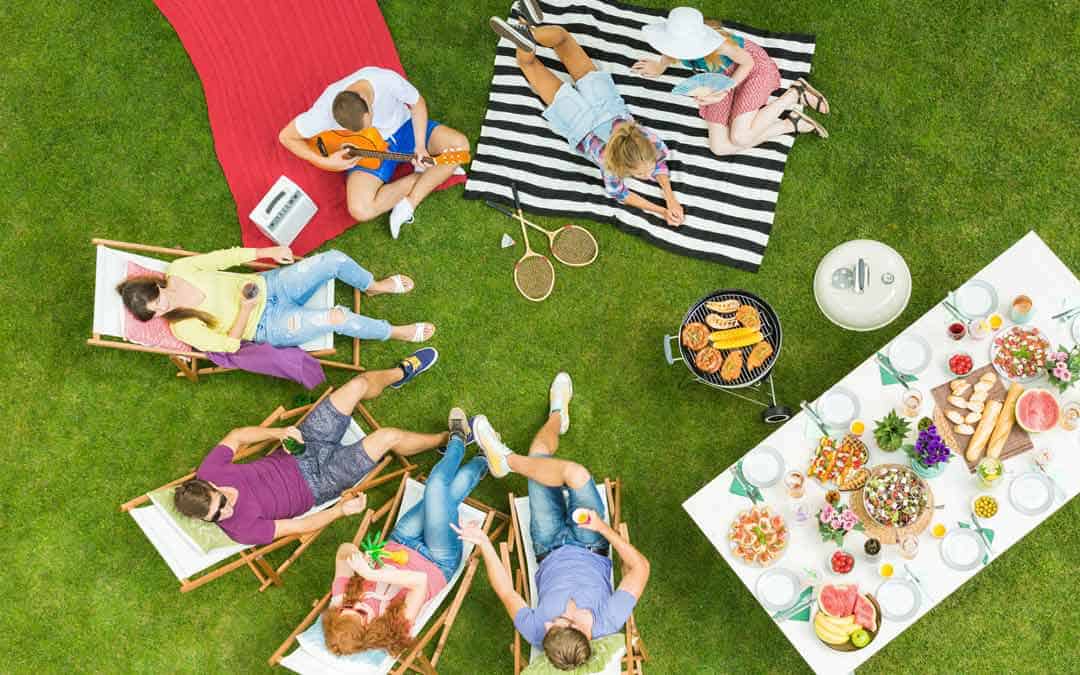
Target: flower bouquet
1063, 367
929, 454
836, 521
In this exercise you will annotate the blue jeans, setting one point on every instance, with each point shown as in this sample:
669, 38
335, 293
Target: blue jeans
287, 323
550, 522
426, 526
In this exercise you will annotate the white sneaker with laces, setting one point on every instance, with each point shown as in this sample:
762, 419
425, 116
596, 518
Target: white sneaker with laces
402, 214
562, 390
491, 443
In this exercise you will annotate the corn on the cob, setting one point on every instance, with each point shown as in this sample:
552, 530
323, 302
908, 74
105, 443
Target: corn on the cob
731, 333
738, 341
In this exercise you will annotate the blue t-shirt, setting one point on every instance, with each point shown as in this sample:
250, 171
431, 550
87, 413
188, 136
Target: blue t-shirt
574, 572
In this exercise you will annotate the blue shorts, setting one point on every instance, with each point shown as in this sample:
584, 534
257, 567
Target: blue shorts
587, 105
550, 522
328, 466
402, 140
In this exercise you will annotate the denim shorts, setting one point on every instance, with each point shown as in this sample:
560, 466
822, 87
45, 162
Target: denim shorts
588, 105
402, 140
328, 466
550, 522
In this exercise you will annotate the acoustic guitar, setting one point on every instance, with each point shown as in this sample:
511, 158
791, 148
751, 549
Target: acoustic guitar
369, 145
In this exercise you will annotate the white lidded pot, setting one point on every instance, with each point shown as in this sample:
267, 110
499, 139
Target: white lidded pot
862, 285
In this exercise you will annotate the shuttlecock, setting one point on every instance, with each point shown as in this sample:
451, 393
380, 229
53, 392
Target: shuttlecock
506, 242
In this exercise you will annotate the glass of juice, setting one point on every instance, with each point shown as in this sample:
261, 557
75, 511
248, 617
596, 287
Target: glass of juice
795, 483
911, 402
909, 546
989, 472
1021, 310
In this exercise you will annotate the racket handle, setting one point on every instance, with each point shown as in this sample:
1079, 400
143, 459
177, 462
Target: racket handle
500, 208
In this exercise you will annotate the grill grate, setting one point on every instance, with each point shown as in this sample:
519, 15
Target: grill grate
770, 329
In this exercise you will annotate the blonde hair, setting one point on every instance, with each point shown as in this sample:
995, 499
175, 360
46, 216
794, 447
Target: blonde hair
627, 150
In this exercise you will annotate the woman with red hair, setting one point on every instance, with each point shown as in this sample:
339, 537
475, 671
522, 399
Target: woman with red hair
375, 607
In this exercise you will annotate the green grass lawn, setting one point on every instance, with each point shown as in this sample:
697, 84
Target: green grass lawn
954, 133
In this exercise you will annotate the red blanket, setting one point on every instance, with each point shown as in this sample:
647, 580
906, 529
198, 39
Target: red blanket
263, 63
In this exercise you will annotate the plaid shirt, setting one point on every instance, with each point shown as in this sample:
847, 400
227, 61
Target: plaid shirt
592, 146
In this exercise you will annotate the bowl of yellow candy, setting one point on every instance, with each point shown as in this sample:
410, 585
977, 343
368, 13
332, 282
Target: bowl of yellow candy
984, 506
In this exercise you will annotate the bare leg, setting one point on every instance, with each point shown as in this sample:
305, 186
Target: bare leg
542, 80
577, 62
442, 138
406, 333
749, 129
404, 443
541, 466
720, 140
368, 198
363, 387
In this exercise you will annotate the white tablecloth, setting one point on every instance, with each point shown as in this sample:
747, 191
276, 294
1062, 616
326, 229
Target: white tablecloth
1028, 267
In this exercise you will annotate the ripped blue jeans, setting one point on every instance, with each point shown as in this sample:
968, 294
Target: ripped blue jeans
287, 323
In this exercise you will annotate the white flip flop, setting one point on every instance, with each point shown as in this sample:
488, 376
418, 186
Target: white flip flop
399, 285
418, 334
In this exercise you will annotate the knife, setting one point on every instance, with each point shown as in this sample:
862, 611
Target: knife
806, 598
751, 489
918, 582
955, 309
1057, 488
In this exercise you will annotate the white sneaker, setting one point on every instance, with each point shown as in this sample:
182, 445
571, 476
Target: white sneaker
402, 214
491, 443
562, 390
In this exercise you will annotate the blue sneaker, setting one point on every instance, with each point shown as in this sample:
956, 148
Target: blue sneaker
416, 363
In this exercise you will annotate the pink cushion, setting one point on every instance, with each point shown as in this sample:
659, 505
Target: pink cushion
152, 333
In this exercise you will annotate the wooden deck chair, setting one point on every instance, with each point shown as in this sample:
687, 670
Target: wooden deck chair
630, 658
108, 328
195, 567
311, 656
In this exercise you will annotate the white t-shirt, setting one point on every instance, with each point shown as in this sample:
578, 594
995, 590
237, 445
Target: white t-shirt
392, 92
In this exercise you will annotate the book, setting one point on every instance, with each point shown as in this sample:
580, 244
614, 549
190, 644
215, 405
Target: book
714, 82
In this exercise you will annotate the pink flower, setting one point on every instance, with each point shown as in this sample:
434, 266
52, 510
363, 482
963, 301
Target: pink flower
1059, 371
848, 519
1065, 376
827, 513
835, 523
1058, 356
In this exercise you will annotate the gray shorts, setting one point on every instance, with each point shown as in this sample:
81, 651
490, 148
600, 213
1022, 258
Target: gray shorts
328, 466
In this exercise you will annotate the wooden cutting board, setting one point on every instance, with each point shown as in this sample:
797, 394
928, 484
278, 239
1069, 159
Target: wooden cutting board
1019, 440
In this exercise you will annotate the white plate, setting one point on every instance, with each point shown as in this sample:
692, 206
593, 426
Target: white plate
899, 599
910, 353
838, 407
994, 349
1031, 493
777, 589
962, 549
976, 298
763, 466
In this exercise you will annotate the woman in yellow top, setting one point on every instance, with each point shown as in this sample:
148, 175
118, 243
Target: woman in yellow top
213, 310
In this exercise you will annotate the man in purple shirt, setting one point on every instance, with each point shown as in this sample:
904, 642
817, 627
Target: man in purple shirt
257, 502
575, 602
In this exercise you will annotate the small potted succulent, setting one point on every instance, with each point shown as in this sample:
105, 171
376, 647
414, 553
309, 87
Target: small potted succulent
890, 432
929, 454
1063, 367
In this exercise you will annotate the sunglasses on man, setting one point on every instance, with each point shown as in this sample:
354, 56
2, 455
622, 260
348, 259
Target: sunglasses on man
221, 507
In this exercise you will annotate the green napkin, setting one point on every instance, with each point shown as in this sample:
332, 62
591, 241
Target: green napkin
887, 377
739, 485
804, 603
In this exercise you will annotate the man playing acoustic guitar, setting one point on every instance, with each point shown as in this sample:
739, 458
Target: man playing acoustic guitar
379, 98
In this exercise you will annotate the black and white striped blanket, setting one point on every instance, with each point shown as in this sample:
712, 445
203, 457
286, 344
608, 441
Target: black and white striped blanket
730, 201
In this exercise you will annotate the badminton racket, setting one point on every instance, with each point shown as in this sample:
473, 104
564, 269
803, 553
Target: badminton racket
534, 275
572, 245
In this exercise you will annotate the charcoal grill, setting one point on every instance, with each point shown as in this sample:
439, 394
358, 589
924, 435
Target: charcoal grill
754, 386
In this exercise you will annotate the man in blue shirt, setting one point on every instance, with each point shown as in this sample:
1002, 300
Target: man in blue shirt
575, 602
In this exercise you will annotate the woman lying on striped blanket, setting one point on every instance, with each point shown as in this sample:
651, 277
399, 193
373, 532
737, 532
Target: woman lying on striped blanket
590, 114
738, 117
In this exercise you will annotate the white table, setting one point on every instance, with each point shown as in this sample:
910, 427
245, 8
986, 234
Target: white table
1029, 267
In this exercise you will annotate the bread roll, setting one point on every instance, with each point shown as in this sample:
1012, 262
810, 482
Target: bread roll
982, 434
1005, 422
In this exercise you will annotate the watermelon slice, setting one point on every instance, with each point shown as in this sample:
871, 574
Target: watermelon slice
838, 601
1037, 410
865, 614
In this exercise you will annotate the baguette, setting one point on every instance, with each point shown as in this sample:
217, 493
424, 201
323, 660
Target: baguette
982, 433
1005, 422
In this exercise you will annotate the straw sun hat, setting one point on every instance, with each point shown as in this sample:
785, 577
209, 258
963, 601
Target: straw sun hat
683, 36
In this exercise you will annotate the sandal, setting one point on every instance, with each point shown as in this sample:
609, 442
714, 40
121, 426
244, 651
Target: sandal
803, 87
418, 333
399, 284
795, 117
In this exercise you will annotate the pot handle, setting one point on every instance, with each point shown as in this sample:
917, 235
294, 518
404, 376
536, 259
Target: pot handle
862, 276
668, 356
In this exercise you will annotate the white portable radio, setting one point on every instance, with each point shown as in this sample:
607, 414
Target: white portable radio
283, 212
